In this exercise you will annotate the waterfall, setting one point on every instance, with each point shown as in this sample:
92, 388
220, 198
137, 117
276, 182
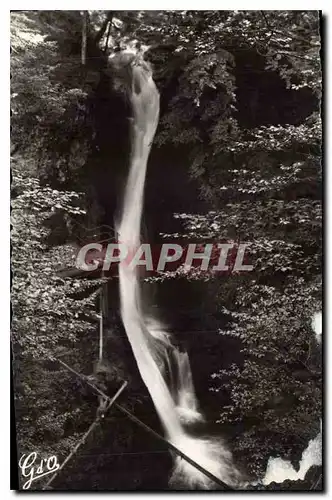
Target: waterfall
317, 326
279, 470
174, 400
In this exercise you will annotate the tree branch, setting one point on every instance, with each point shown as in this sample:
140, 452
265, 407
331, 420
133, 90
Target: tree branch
103, 27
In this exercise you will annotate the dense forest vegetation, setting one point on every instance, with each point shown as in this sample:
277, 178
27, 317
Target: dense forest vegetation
237, 157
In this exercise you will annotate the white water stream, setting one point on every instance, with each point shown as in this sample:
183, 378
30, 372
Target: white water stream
279, 470
175, 402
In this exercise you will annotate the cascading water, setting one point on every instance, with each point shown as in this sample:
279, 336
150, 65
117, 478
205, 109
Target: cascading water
176, 405
279, 470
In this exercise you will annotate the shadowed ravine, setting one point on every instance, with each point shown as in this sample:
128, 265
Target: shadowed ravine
175, 400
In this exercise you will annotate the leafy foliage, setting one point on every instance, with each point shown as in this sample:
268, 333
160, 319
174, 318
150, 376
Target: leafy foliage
48, 321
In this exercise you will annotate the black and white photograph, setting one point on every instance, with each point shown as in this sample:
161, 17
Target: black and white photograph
167, 250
